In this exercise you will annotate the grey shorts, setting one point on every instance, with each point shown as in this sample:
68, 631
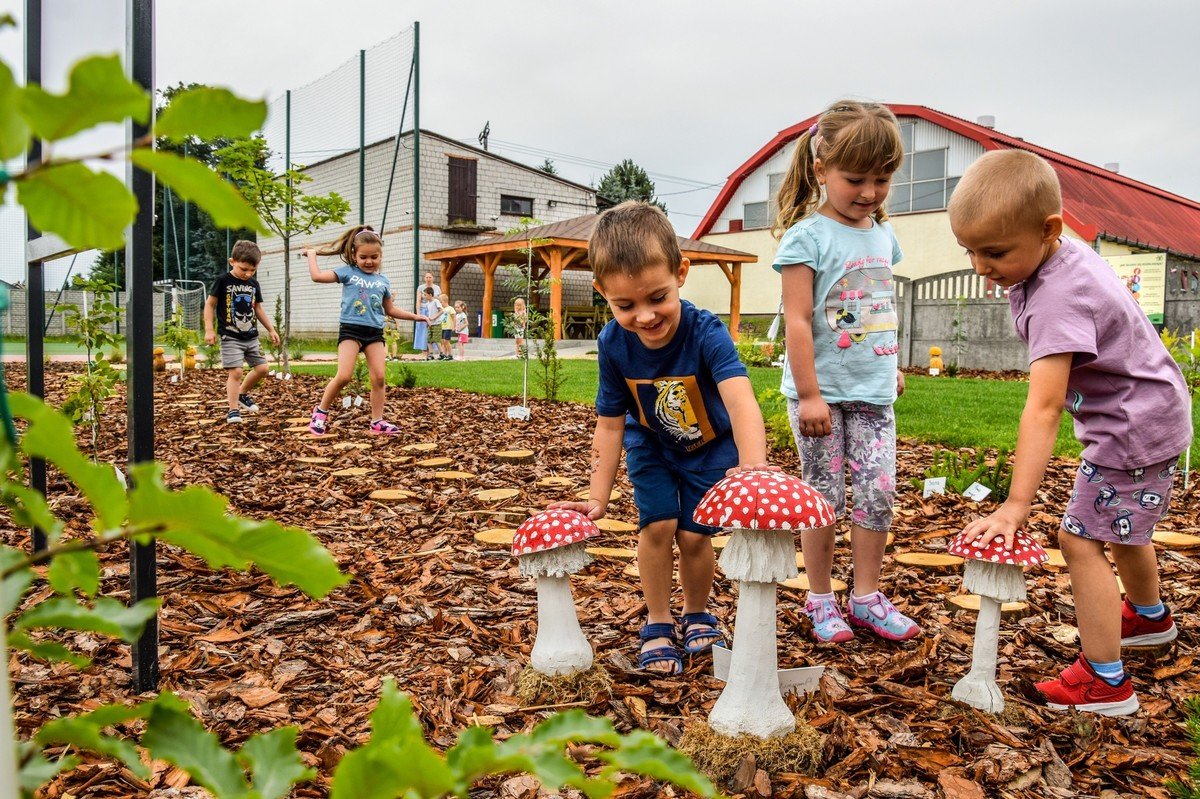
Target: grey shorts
236, 351
863, 443
1119, 506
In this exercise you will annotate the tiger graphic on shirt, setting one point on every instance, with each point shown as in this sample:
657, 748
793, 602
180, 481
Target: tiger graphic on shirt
673, 410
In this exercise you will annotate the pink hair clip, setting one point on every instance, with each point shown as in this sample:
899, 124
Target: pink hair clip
812, 131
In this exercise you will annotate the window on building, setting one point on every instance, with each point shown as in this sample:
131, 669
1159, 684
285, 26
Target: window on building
461, 200
516, 206
756, 215
922, 182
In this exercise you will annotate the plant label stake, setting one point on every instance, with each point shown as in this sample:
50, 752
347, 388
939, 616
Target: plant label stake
977, 492
346, 402
518, 412
933, 485
798, 681
358, 401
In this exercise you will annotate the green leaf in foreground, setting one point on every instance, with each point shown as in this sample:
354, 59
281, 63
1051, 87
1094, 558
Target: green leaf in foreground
13, 587
208, 112
174, 735
196, 520
274, 763
14, 133
50, 651
87, 732
89, 210
71, 570
194, 181
98, 91
107, 616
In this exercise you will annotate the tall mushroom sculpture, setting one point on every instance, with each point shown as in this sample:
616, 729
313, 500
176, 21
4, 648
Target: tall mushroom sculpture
997, 575
549, 548
761, 510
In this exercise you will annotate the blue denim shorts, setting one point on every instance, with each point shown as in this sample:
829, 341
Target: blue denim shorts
663, 490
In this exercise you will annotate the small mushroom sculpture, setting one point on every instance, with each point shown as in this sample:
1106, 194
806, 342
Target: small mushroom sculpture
997, 575
761, 510
549, 548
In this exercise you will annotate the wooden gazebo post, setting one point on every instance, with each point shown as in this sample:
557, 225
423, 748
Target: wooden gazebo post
488, 264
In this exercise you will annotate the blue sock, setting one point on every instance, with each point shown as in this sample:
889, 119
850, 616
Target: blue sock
1112, 673
1151, 612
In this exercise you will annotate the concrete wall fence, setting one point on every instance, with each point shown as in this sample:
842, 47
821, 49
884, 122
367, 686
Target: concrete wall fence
13, 320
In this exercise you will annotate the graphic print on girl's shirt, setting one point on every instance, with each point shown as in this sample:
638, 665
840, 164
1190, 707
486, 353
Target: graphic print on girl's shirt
860, 306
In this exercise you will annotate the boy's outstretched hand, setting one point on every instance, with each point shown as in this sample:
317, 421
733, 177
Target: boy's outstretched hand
591, 509
1003, 522
752, 467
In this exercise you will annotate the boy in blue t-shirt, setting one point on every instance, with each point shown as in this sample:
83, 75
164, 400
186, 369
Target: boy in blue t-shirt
673, 391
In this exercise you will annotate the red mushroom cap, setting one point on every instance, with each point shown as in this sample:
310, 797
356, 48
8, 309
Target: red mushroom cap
1025, 551
552, 529
764, 501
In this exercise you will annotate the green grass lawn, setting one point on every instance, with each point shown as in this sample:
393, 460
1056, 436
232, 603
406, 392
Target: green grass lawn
953, 412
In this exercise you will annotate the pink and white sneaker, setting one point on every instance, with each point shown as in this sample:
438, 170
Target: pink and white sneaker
320, 419
880, 616
382, 428
828, 624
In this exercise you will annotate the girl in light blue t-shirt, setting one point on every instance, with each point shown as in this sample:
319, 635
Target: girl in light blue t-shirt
366, 304
835, 258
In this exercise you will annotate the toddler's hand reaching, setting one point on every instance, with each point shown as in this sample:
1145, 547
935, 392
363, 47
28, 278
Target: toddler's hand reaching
815, 421
1003, 522
752, 467
592, 509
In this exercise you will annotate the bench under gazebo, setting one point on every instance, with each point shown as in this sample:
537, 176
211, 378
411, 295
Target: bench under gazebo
559, 246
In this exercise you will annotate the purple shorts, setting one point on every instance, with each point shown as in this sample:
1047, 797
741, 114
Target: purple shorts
1119, 506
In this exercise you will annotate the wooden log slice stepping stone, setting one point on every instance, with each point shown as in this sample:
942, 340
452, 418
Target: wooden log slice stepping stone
1056, 559
517, 456
933, 561
801, 584
616, 553
891, 538
631, 571
556, 482
191, 396
453, 475
248, 450
613, 497
426, 446
433, 463
206, 422
1176, 540
969, 603
391, 495
298, 420
496, 536
313, 459
719, 542
353, 471
300, 428
496, 494
615, 526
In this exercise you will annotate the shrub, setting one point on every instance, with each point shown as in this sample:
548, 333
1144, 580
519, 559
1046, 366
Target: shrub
775, 414
757, 352
961, 470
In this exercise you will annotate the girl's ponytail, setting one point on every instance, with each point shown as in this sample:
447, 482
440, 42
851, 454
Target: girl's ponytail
346, 243
799, 193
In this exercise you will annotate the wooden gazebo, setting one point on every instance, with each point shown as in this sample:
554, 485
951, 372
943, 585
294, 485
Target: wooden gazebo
559, 246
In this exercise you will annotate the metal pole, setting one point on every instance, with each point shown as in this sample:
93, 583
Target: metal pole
187, 208
416, 215
362, 137
139, 343
287, 235
35, 284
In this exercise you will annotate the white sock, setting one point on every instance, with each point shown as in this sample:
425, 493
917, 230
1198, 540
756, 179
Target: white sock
815, 598
862, 600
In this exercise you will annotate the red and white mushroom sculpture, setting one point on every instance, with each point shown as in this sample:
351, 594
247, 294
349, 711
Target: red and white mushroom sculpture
549, 548
762, 510
997, 575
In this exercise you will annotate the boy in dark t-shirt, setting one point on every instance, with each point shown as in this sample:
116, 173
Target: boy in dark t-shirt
674, 393
235, 304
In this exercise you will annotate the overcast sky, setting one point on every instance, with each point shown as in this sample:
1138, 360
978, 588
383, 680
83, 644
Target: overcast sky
691, 89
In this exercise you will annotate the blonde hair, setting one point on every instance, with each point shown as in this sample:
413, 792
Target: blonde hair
518, 300
629, 237
352, 239
1008, 189
849, 135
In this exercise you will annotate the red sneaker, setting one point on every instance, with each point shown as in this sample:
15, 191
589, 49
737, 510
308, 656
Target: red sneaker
1137, 630
1081, 688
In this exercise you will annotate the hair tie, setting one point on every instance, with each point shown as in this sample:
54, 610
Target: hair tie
813, 130
364, 230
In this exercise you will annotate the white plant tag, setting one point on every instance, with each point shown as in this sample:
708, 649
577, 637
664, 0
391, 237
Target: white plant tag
271, 373
174, 378
934, 371
279, 375
121, 477
288, 376
346, 402
791, 681
933, 485
358, 401
977, 492
518, 412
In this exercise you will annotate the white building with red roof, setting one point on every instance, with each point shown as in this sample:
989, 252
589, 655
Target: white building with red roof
1114, 213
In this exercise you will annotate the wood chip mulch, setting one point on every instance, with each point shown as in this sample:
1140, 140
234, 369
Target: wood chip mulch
453, 622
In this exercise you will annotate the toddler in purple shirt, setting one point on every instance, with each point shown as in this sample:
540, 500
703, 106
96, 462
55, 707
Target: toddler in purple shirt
1093, 351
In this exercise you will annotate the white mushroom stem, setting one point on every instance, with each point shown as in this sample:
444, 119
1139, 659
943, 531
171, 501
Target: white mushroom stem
995, 583
560, 647
751, 702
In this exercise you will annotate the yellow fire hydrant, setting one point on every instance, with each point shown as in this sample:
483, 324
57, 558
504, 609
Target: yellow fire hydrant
935, 361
